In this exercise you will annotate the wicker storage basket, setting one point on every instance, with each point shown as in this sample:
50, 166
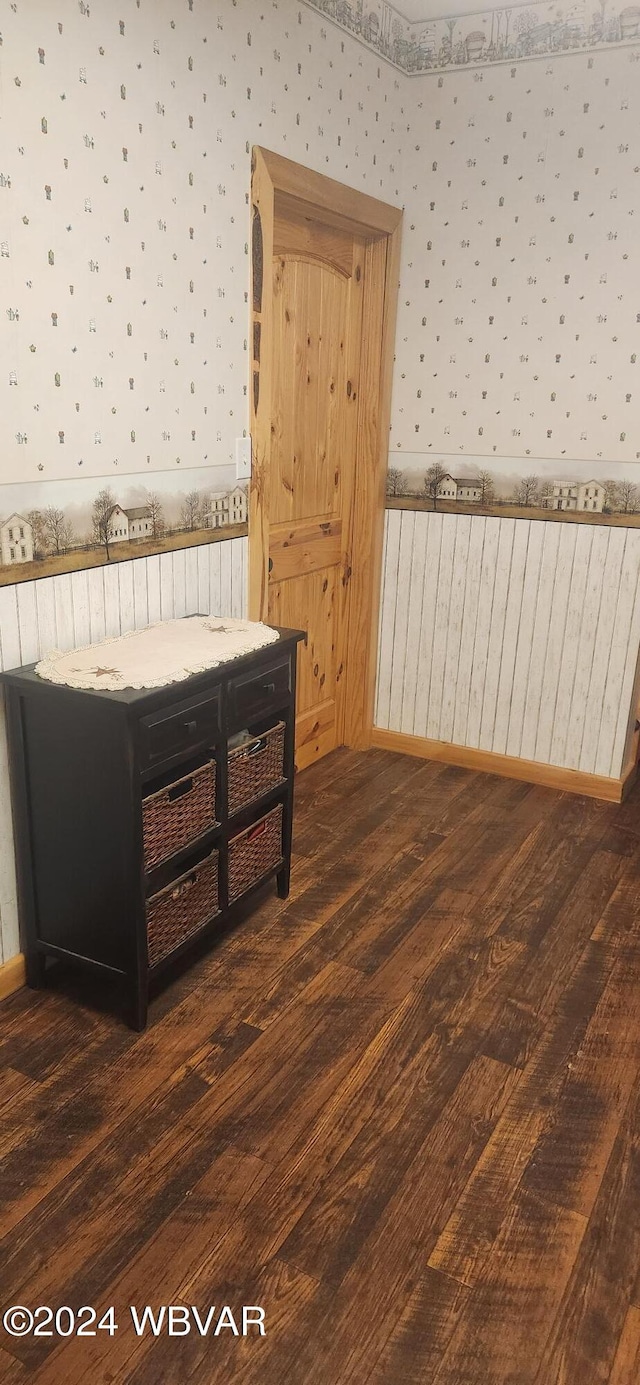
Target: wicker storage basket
256, 767
181, 908
254, 852
177, 814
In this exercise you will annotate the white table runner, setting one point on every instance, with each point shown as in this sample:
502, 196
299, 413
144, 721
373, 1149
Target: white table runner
164, 653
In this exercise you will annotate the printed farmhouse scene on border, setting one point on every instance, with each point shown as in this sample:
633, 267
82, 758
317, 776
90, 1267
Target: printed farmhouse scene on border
48, 527
524, 488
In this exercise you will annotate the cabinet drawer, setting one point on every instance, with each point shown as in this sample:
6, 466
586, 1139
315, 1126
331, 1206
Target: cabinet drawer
254, 852
257, 693
179, 730
178, 813
182, 908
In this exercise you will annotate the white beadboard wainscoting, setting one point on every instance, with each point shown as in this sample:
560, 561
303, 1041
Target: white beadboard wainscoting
78, 608
508, 635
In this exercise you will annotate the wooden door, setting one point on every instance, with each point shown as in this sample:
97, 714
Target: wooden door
317, 318
312, 268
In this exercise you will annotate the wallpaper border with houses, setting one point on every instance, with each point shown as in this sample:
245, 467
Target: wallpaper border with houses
57, 526
505, 34
516, 487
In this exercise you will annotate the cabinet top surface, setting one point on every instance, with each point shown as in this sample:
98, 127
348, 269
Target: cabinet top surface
26, 680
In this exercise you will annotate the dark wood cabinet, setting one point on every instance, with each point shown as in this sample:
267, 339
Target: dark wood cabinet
124, 838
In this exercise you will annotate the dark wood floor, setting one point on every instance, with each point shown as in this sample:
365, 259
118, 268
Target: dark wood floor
399, 1111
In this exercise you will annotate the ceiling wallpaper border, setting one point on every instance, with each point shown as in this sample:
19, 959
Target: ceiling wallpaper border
506, 34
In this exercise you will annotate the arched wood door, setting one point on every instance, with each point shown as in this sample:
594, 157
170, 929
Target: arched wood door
318, 327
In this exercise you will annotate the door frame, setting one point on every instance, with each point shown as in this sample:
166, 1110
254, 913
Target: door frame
276, 179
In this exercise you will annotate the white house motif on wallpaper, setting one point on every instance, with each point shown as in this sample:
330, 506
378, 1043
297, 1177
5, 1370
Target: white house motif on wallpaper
16, 540
504, 34
136, 522
228, 507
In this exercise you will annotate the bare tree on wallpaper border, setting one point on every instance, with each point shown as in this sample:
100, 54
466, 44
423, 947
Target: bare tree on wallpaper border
487, 488
57, 529
191, 514
101, 512
396, 481
156, 514
39, 531
627, 497
527, 492
610, 495
432, 482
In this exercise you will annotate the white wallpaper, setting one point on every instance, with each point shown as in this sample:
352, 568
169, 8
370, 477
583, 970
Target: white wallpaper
520, 301
124, 174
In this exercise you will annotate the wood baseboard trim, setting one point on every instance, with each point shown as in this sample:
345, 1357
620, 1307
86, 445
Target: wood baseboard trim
508, 766
12, 975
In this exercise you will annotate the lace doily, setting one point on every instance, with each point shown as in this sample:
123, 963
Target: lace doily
167, 652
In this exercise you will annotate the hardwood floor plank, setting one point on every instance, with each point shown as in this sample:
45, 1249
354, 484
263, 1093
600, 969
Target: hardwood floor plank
12, 1371
540, 875
180, 1128
182, 1241
420, 1337
268, 1123
374, 1291
335, 926
626, 1366
467, 1241
569, 1159
546, 982
331, 1233
503, 1327
284, 1292
13, 1086
110, 1083
81, 1236
596, 1302
320, 1143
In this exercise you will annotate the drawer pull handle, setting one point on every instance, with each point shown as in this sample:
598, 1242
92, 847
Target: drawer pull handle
190, 727
184, 887
268, 688
257, 831
179, 790
258, 747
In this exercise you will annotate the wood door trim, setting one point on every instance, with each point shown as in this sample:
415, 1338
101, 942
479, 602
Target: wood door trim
279, 183
347, 208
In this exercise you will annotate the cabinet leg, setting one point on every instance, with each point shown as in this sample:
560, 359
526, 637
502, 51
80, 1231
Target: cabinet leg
282, 881
35, 967
137, 1009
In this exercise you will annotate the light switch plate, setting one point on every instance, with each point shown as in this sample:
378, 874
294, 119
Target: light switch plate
243, 459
